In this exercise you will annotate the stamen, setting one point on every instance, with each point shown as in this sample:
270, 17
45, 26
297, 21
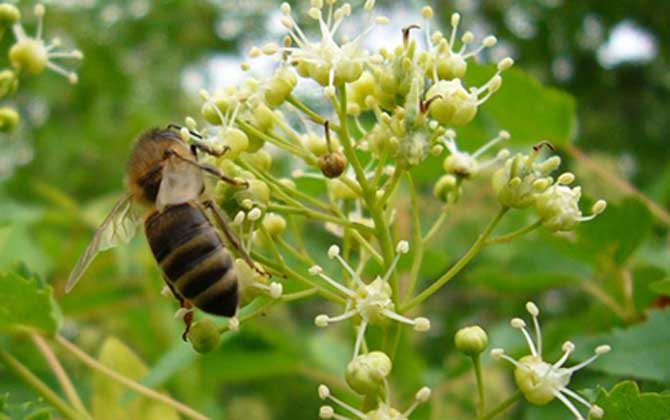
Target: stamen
519, 324
503, 135
333, 283
455, 19
569, 404
568, 348
534, 311
600, 350
359, 337
577, 397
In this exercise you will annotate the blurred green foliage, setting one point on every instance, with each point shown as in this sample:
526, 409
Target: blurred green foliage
606, 275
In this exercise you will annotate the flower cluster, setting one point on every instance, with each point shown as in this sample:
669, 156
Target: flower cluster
28, 55
523, 182
382, 113
541, 381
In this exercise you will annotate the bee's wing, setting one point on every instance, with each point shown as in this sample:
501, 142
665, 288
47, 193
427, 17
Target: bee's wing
182, 182
118, 228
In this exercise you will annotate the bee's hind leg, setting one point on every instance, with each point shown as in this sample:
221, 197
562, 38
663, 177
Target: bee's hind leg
228, 232
183, 304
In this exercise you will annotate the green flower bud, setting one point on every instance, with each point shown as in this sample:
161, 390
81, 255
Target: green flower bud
452, 66
471, 341
348, 71
453, 104
9, 119
332, 164
447, 189
8, 82
204, 336
235, 139
359, 90
210, 114
261, 160
280, 87
274, 224
258, 192
365, 374
264, 118
9, 15
317, 145
29, 55
340, 191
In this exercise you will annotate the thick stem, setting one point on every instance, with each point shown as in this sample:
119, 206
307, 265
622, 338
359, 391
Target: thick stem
416, 236
40, 387
59, 372
502, 407
460, 264
141, 389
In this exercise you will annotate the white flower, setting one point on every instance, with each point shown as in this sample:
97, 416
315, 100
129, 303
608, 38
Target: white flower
371, 302
558, 205
541, 381
328, 62
383, 412
32, 55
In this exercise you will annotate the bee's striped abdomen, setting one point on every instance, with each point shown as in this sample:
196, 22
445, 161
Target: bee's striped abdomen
193, 258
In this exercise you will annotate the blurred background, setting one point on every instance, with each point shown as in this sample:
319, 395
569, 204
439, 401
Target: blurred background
144, 64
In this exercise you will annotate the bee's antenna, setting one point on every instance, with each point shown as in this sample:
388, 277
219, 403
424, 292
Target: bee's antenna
178, 128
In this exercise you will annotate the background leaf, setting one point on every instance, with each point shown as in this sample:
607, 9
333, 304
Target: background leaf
640, 351
28, 303
625, 402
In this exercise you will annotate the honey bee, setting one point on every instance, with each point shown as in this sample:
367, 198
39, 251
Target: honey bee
165, 177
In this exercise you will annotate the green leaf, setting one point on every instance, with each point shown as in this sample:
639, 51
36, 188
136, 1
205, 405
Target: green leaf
625, 402
640, 351
523, 106
107, 393
662, 287
28, 303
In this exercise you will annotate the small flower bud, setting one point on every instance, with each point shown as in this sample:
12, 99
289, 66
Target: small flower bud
258, 192
321, 321
280, 87
9, 15
8, 82
332, 164
326, 412
423, 394
421, 324
9, 119
365, 374
446, 188
204, 336
274, 224
427, 12
471, 341
599, 207
340, 191
324, 392
29, 55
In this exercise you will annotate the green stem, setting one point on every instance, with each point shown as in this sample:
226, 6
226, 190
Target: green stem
40, 387
135, 386
307, 212
476, 361
64, 380
515, 234
416, 236
278, 267
290, 297
460, 264
376, 209
436, 227
313, 115
502, 406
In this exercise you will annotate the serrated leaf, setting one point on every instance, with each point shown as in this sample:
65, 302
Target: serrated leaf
107, 393
523, 106
28, 303
640, 351
625, 402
